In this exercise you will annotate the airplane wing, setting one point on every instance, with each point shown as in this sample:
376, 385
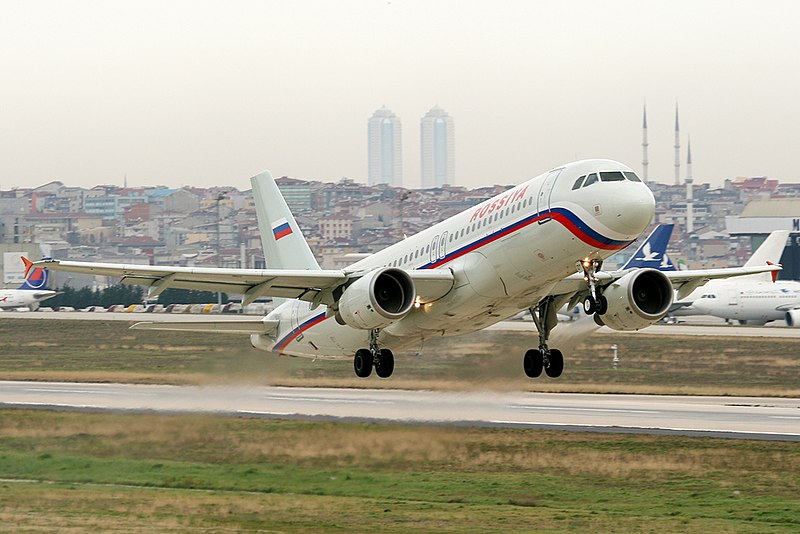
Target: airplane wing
314, 286
239, 326
683, 281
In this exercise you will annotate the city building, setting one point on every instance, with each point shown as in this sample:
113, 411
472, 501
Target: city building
384, 148
437, 148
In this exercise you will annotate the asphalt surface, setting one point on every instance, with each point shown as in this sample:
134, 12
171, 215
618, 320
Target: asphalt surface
737, 417
693, 326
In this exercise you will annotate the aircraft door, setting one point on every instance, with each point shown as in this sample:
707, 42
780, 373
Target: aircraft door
295, 314
543, 200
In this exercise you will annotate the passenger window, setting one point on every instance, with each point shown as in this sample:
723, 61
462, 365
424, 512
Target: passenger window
612, 176
578, 182
590, 179
630, 175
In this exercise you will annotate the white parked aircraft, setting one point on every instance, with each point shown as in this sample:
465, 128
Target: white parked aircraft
537, 246
32, 291
754, 299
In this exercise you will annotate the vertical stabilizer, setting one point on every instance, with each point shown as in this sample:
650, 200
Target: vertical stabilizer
653, 252
283, 243
770, 251
35, 277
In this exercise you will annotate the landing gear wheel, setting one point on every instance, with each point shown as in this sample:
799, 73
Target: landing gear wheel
602, 305
533, 363
385, 365
589, 305
362, 363
555, 364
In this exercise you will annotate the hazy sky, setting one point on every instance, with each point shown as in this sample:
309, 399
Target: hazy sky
209, 93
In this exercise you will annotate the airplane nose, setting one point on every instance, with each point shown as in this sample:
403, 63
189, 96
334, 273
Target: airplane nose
633, 210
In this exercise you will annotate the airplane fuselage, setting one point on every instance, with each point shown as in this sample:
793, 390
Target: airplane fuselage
757, 302
506, 254
20, 298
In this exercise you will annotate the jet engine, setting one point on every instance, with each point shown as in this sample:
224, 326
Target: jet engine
637, 300
793, 318
377, 299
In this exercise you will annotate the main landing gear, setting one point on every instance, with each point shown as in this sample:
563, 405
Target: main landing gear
551, 361
381, 359
544, 358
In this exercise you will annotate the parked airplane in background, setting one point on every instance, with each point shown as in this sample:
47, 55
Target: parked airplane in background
537, 246
32, 291
753, 299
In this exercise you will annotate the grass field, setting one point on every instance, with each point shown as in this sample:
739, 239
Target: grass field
73, 472
110, 472
657, 364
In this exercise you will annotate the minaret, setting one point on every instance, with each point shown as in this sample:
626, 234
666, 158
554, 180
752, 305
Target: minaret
689, 180
677, 149
645, 162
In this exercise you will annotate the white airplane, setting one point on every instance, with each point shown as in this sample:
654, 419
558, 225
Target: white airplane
537, 246
32, 291
755, 299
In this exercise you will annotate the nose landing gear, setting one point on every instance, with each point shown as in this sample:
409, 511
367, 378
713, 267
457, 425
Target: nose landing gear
595, 302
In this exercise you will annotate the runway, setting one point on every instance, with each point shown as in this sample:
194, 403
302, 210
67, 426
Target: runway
695, 326
737, 417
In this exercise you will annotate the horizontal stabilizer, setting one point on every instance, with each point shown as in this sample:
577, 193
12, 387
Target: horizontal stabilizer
243, 326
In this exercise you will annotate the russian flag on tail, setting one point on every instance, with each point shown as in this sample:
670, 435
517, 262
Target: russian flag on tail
281, 228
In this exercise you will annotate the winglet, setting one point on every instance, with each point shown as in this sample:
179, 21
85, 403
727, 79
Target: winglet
28, 265
774, 273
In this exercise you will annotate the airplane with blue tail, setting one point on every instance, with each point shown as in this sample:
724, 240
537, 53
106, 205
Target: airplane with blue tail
32, 291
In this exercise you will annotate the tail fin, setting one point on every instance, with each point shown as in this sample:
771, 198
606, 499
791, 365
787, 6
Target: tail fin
35, 278
283, 243
653, 252
769, 252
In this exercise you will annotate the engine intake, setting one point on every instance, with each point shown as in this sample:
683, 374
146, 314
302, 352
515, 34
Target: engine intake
377, 299
637, 300
793, 318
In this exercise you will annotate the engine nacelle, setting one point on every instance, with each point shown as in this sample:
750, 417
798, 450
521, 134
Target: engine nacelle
793, 318
637, 300
377, 299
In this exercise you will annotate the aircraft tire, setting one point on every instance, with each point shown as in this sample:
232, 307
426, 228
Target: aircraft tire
362, 363
556, 366
602, 305
533, 363
589, 305
385, 366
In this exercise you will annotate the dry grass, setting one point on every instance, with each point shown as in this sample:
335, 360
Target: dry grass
206, 438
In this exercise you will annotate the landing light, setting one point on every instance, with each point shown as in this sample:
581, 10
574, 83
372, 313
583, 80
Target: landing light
417, 302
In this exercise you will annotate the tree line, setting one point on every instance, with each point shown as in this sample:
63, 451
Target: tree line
126, 295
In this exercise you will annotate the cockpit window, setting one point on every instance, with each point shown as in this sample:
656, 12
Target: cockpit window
590, 179
630, 175
579, 182
612, 176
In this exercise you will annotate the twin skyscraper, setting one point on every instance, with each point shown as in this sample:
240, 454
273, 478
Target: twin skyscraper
385, 148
